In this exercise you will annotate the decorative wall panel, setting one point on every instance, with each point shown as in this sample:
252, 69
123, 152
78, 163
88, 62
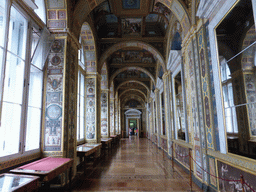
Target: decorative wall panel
57, 14
104, 113
112, 117
54, 94
90, 108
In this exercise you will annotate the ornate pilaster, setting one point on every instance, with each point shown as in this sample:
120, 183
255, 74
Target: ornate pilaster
93, 108
59, 132
105, 128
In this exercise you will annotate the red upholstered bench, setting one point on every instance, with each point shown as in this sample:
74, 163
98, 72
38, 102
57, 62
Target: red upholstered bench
47, 168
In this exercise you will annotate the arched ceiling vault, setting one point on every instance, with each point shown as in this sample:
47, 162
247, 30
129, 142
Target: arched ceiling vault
118, 26
133, 81
82, 8
134, 90
132, 44
132, 97
131, 68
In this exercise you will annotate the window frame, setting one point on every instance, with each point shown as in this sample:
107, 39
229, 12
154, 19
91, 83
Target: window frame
225, 83
82, 140
81, 71
31, 22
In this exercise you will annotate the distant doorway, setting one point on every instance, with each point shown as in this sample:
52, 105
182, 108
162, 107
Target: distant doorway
133, 122
133, 127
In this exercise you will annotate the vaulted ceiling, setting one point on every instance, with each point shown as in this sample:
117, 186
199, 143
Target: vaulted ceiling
133, 68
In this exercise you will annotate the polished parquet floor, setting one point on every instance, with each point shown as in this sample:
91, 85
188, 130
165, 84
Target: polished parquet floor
135, 165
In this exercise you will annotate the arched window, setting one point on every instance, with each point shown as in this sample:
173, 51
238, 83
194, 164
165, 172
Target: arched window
81, 96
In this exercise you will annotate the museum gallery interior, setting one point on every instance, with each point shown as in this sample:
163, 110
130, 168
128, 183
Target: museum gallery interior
128, 95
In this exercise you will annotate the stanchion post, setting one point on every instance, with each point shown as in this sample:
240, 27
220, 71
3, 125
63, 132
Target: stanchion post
172, 157
242, 182
190, 169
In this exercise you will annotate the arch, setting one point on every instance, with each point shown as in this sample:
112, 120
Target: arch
132, 111
88, 43
136, 97
133, 90
136, 68
180, 12
125, 44
132, 81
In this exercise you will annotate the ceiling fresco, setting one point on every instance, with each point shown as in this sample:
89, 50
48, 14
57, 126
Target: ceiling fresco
132, 56
138, 60
112, 23
131, 37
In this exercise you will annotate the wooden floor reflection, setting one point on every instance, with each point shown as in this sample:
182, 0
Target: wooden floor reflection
136, 165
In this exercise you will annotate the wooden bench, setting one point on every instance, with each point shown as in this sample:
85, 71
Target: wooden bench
47, 168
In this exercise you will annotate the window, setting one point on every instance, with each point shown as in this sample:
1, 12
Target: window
81, 96
13, 85
41, 9
41, 42
80, 107
228, 99
22, 83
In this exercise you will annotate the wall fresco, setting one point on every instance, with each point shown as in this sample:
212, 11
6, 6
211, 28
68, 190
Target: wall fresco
104, 114
54, 94
90, 109
131, 26
88, 44
112, 117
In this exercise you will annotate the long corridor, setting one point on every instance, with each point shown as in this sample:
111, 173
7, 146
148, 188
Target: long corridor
136, 165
